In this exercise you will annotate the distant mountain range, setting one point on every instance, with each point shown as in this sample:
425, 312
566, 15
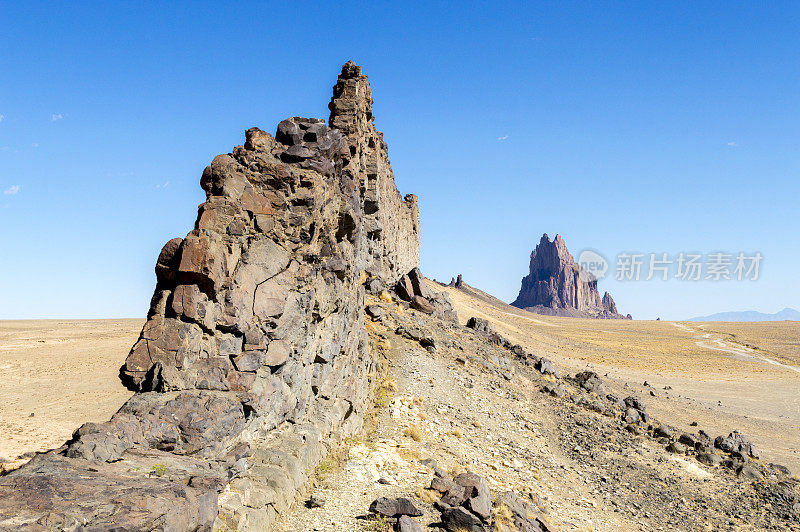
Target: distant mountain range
751, 315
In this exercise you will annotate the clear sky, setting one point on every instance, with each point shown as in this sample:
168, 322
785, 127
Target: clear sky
635, 126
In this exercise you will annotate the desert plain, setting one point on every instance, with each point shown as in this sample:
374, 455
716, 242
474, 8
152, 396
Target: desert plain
59, 374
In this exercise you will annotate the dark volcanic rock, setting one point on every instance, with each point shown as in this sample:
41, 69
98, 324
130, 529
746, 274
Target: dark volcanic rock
458, 519
547, 367
591, 382
476, 490
737, 443
394, 507
412, 288
486, 329
525, 517
257, 320
557, 286
406, 524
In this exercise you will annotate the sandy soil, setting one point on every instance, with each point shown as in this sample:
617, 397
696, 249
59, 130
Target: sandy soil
57, 375
709, 377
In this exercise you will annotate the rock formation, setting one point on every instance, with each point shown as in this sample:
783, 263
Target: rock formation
255, 350
558, 286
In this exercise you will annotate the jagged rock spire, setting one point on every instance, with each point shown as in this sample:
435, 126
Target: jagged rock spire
557, 285
351, 104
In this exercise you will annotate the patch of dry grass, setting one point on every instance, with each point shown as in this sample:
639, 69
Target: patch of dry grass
414, 431
378, 523
428, 496
385, 392
408, 454
658, 347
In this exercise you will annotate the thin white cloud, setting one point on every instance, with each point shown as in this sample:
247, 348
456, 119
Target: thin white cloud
164, 185
57, 117
2, 117
504, 137
733, 144
35, 145
12, 190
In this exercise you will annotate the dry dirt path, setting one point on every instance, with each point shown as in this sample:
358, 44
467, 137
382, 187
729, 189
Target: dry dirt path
718, 344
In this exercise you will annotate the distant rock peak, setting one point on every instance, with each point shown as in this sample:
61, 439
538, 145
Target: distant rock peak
556, 285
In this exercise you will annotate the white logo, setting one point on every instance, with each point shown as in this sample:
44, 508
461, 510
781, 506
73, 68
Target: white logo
593, 265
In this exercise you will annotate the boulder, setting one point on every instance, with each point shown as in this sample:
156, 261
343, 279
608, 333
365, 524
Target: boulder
481, 325
547, 367
631, 416
520, 514
709, 458
375, 312
635, 403
664, 431
737, 443
395, 507
406, 524
554, 389
676, 448
421, 304
458, 519
780, 469
478, 497
750, 472
591, 382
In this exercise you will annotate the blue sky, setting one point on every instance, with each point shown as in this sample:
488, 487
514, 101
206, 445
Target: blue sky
644, 127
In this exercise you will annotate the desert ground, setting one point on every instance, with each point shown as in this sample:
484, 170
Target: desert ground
722, 375
57, 375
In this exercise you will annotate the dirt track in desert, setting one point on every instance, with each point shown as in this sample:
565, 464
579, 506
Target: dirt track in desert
57, 375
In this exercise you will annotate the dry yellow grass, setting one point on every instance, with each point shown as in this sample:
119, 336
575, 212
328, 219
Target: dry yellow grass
414, 432
659, 346
780, 339
428, 496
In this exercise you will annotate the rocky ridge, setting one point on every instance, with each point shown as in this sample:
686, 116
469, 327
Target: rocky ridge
557, 286
475, 433
254, 357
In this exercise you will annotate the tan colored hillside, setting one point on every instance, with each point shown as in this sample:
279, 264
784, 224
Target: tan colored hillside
714, 378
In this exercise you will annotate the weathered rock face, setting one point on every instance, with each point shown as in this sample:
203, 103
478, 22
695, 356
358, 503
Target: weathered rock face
256, 322
558, 286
